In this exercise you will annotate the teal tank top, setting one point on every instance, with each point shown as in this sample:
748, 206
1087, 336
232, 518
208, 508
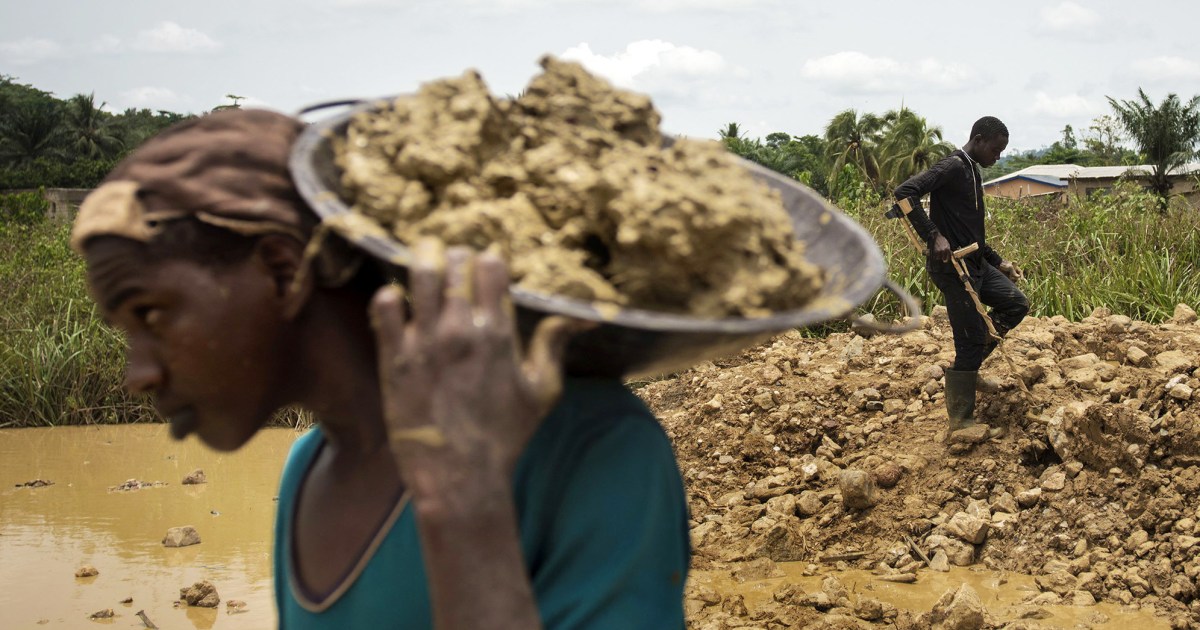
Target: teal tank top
602, 516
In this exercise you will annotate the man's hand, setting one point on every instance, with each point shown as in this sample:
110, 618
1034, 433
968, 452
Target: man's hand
460, 400
1013, 272
941, 249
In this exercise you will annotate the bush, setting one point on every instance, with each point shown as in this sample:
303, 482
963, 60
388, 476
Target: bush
25, 208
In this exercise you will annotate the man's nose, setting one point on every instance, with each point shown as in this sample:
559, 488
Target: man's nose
143, 375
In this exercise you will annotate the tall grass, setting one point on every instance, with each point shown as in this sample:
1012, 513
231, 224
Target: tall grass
1115, 250
60, 365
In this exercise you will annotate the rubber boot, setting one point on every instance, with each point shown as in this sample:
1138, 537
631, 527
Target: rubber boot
960, 399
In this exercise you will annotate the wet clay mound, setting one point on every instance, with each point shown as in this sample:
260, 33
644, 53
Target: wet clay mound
810, 450
571, 183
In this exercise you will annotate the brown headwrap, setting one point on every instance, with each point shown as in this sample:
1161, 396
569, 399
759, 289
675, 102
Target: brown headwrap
228, 168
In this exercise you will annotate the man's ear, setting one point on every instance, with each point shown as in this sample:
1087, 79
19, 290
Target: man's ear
283, 257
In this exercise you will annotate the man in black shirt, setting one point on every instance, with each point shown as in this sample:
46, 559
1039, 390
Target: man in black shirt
955, 220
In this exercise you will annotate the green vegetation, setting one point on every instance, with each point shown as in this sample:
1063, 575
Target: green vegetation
1166, 135
58, 363
1109, 251
72, 143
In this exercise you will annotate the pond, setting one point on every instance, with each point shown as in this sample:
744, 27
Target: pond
47, 533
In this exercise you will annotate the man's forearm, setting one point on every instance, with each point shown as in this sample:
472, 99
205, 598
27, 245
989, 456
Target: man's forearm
473, 559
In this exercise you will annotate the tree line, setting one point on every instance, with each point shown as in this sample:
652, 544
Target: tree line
68, 143
74, 142
870, 154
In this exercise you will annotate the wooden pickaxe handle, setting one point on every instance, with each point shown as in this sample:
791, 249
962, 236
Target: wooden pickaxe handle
963, 251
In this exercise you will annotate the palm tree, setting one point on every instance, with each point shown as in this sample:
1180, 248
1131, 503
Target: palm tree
730, 131
853, 139
30, 130
910, 146
91, 128
1166, 135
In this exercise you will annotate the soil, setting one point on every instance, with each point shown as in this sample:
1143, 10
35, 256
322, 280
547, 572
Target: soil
571, 183
830, 451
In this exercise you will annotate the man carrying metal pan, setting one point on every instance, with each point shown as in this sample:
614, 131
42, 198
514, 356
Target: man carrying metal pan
969, 273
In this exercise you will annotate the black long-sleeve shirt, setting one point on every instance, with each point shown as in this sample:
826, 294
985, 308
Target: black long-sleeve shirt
956, 209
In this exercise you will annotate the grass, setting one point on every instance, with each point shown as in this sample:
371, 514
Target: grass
1115, 251
60, 365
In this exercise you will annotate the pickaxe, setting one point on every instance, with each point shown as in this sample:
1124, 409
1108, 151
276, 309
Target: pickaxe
961, 269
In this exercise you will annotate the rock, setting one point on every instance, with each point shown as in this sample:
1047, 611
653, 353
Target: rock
1173, 361
930, 371
939, 561
1005, 503
808, 503
1081, 598
1117, 324
887, 474
765, 401
195, 477
1183, 314
1078, 362
714, 404
959, 610
1060, 583
834, 588
783, 505
968, 528
85, 571
939, 313
869, 609
1054, 481
857, 488
201, 594
1136, 356
235, 606
107, 613
973, 434
1180, 392
853, 349
181, 537
959, 553
1029, 498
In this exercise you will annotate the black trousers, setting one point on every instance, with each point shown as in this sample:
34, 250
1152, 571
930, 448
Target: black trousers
1008, 307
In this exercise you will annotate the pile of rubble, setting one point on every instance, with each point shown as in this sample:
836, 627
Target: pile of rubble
807, 449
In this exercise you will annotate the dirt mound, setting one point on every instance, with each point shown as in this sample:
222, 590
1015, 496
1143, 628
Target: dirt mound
1095, 489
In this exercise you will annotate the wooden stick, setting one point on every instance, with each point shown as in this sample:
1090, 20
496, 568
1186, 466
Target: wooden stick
902, 578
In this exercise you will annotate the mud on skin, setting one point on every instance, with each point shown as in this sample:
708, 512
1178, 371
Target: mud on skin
570, 183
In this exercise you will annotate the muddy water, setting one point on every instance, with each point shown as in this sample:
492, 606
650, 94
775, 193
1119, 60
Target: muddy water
47, 533
999, 592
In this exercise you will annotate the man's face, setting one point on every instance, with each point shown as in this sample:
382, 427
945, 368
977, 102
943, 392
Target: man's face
990, 149
204, 343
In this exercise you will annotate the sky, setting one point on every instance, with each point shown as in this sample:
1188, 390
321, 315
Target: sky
768, 65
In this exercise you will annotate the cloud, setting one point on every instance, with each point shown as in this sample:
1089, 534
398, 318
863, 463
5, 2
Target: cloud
150, 97
1166, 69
106, 44
852, 72
29, 50
1068, 106
1068, 17
173, 38
652, 65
